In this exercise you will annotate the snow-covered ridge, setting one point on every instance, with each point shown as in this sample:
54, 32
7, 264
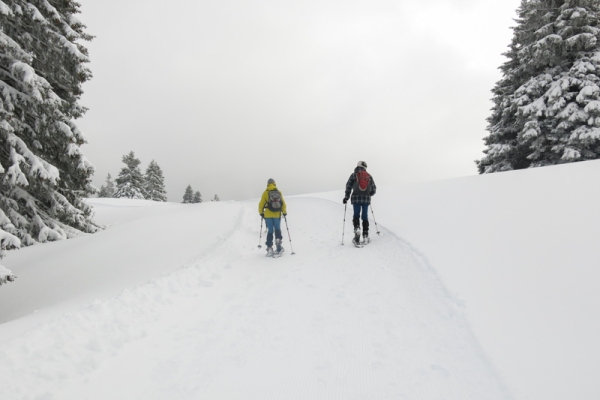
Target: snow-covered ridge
229, 315
520, 250
481, 287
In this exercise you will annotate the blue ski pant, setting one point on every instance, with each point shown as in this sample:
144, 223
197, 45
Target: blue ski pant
358, 208
273, 224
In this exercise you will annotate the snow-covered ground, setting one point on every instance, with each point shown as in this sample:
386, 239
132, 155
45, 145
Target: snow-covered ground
477, 288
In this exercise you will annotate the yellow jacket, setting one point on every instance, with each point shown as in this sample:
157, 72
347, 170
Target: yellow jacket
262, 204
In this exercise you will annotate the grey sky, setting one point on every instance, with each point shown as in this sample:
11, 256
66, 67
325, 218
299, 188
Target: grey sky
226, 94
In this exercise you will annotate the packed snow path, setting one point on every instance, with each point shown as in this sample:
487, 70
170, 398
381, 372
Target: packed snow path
331, 322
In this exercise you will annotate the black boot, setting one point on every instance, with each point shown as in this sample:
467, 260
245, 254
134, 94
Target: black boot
365, 228
269, 242
278, 239
356, 223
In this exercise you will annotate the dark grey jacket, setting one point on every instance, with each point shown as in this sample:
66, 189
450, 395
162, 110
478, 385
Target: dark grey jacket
359, 198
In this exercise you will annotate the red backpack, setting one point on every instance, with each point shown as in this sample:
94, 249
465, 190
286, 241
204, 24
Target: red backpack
363, 182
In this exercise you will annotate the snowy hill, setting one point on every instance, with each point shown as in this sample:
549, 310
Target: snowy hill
478, 288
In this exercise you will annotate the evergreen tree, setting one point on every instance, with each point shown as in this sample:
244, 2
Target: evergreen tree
188, 196
216, 198
547, 104
107, 191
154, 183
197, 198
43, 174
130, 182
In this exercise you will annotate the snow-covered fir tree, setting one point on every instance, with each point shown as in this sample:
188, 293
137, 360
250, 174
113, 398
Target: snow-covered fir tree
197, 198
130, 182
43, 174
108, 190
216, 198
547, 104
154, 183
188, 196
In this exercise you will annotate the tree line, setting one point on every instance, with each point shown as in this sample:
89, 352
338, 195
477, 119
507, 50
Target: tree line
132, 184
44, 177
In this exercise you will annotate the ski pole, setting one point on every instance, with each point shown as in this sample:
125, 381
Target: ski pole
288, 231
260, 232
376, 227
344, 227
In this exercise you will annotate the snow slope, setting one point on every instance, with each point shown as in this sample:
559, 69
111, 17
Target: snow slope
331, 322
478, 288
144, 239
520, 251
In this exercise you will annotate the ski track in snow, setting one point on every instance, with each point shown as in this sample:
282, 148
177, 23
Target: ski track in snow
331, 322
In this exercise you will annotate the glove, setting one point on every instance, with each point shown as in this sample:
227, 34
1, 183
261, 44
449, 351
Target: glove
262, 215
284, 214
345, 200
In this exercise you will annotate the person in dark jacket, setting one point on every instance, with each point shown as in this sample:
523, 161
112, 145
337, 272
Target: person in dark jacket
362, 186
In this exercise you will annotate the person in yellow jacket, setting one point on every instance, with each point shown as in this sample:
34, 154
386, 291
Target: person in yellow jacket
270, 207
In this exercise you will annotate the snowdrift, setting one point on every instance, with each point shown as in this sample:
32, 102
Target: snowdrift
5, 275
478, 288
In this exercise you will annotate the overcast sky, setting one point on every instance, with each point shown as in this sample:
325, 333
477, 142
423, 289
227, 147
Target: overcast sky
225, 94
